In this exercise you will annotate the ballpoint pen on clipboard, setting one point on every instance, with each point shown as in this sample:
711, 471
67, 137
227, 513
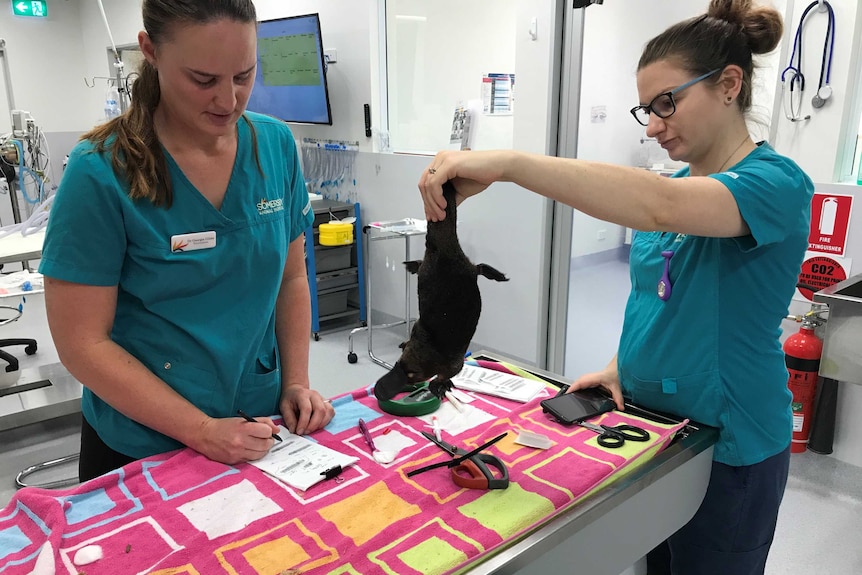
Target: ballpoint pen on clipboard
250, 419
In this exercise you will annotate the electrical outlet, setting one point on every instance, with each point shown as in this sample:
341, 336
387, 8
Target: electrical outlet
601, 234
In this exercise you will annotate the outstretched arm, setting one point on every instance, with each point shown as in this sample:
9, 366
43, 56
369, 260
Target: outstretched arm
627, 196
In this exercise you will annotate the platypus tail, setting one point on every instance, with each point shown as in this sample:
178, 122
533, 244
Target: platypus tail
450, 194
491, 273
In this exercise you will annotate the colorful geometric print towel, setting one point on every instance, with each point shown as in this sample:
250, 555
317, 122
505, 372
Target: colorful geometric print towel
180, 513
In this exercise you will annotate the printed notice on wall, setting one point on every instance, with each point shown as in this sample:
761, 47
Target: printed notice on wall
462, 129
498, 94
820, 271
830, 222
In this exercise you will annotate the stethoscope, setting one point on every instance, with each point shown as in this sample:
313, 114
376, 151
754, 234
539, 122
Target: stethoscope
792, 77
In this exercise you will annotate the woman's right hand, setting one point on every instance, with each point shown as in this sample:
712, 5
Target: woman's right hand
233, 440
608, 378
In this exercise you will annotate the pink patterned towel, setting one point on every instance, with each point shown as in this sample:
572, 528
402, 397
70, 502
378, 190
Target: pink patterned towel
179, 513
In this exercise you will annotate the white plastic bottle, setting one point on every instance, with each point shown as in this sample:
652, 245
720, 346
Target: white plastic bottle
112, 104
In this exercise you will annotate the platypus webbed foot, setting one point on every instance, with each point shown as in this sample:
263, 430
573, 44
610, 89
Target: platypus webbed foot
413, 266
491, 273
439, 387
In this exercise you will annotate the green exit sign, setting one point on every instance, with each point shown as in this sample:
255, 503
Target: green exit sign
37, 8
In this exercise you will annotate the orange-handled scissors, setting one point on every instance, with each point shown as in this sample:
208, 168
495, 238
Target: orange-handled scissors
470, 470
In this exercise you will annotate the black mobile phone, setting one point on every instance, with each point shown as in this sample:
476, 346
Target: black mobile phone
577, 406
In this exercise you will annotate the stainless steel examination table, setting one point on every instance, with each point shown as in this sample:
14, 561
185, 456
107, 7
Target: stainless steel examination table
42, 393
44, 390
610, 531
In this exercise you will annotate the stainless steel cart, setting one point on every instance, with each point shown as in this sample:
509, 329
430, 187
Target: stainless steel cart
379, 231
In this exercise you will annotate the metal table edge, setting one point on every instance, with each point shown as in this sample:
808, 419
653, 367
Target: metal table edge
563, 524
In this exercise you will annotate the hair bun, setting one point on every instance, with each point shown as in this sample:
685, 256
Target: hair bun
762, 26
732, 11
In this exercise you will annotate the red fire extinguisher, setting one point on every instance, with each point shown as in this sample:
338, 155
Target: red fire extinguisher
802, 352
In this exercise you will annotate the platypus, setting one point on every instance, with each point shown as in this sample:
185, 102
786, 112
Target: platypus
449, 309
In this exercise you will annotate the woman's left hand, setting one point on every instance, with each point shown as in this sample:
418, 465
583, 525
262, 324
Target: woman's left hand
304, 410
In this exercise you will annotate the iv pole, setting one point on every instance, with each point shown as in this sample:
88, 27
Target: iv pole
7, 80
10, 101
121, 84
118, 64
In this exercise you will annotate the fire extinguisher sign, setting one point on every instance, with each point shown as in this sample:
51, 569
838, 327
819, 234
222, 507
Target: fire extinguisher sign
830, 221
819, 272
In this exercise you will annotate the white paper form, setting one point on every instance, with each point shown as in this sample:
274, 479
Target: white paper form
455, 422
490, 382
300, 462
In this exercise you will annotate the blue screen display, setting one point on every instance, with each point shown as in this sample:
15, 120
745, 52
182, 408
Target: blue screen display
290, 82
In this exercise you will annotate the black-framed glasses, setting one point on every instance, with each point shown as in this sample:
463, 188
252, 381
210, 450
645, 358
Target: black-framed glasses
664, 105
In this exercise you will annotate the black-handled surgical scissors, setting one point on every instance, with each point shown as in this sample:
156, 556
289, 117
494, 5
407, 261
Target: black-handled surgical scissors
614, 437
470, 469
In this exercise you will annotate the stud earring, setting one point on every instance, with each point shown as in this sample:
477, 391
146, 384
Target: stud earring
729, 99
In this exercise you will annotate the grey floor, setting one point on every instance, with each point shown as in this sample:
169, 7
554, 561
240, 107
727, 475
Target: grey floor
820, 520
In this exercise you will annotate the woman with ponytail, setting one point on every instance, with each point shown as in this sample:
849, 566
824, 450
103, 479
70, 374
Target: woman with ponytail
175, 284
714, 264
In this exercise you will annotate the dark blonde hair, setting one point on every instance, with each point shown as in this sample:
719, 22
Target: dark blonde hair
730, 32
135, 149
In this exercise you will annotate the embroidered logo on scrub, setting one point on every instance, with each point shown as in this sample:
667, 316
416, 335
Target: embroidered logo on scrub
265, 206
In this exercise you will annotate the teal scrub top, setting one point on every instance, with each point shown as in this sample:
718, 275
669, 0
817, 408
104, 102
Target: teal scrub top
202, 320
711, 352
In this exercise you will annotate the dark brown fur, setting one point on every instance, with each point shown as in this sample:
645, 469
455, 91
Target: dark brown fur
449, 309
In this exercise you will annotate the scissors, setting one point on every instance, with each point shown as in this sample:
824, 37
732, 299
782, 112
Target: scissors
614, 437
470, 469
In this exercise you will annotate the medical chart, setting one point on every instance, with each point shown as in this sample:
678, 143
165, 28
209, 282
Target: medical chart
505, 385
300, 462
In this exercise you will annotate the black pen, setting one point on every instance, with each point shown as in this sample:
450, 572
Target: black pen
249, 418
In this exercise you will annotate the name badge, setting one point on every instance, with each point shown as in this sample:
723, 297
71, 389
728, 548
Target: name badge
192, 242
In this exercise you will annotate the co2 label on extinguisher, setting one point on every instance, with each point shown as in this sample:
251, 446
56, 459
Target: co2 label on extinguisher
820, 272
798, 419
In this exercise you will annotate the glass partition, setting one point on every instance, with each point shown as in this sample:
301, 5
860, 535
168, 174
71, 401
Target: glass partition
437, 55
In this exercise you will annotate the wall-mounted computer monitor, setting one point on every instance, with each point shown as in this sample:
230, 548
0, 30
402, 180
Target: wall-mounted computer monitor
291, 80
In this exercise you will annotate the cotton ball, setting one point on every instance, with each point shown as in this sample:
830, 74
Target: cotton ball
87, 555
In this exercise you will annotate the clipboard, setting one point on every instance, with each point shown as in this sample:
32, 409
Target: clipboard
300, 462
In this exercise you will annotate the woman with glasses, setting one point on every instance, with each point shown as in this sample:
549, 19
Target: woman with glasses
713, 266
